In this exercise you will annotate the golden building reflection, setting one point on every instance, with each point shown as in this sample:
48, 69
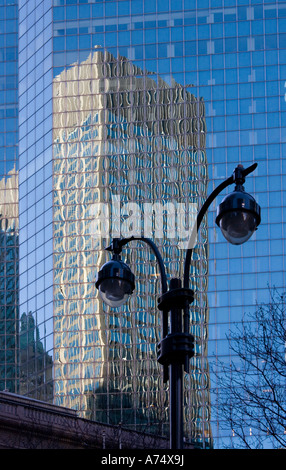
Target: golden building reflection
128, 148
9, 253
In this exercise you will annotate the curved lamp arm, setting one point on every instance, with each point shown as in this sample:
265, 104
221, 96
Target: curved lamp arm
116, 247
238, 177
118, 243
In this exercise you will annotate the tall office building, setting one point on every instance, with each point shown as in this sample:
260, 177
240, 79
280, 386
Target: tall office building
125, 104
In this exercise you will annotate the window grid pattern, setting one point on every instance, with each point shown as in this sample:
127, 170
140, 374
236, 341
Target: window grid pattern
231, 56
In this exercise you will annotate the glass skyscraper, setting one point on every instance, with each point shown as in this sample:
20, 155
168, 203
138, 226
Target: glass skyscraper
130, 113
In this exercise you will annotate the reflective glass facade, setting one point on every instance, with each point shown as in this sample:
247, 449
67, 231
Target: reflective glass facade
8, 196
124, 105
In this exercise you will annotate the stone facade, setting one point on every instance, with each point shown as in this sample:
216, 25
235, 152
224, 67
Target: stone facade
27, 423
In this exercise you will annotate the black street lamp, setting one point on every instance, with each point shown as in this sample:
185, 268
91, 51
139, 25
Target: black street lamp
238, 216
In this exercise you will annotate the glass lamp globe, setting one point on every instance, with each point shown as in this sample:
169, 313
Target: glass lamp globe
115, 282
238, 216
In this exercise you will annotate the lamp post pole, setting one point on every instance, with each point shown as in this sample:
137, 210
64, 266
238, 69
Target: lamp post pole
174, 351
238, 216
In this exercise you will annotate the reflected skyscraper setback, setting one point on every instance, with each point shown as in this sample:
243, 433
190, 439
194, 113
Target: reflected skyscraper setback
128, 154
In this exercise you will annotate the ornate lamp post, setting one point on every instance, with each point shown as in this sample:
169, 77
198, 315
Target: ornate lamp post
238, 216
